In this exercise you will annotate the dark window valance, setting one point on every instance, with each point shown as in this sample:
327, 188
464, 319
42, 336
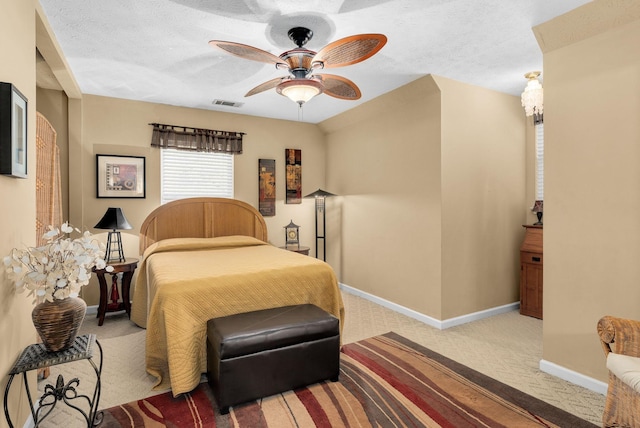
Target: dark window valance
195, 139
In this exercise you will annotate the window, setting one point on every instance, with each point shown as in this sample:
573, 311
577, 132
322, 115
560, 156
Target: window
187, 174
540, 162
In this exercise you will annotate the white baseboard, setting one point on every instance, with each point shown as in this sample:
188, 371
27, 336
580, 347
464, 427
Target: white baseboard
92, 310
573, 377
441, 325
29, 423
545, 366
475, 316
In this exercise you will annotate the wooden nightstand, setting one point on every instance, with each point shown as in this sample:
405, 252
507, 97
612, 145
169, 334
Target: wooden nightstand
531, 265
297, 248
128, 267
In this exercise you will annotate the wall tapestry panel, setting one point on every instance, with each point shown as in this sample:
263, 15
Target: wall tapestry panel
267, 186
294, 176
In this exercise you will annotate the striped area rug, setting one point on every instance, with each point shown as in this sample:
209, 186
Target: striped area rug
385, 381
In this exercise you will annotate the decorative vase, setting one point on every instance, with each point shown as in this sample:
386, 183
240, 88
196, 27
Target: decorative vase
58, 322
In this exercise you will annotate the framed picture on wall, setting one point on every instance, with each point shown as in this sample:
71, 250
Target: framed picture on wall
13, 131
294, 175
267, 187
120, 176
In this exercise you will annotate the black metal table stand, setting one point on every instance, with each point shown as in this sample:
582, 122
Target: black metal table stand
35, 357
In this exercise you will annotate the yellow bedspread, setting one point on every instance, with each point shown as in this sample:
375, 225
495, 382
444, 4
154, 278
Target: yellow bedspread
184, 282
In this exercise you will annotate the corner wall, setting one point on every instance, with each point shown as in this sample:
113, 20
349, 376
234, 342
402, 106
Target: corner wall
17, 216
383, 159
483, 183
431, 178
592, 175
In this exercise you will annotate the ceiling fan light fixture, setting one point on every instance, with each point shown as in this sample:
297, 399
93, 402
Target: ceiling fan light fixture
301, 84
300, 90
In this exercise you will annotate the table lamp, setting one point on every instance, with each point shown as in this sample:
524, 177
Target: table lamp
538, 209
114, 220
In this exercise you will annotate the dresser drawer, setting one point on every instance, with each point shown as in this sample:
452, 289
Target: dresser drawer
528, 257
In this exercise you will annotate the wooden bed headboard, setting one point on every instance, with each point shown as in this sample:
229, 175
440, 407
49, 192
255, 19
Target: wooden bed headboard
202, 218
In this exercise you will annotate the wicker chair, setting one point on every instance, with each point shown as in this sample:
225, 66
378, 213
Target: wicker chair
622, 406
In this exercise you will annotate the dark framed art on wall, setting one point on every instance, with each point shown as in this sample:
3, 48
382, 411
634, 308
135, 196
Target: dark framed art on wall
13, 131
267, 187
294, 175
120, 176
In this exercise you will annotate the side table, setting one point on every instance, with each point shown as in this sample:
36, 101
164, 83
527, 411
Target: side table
36, 356
297, 248
531, 271
127, 268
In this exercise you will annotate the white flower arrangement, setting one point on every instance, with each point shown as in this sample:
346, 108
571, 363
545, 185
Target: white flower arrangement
59, 268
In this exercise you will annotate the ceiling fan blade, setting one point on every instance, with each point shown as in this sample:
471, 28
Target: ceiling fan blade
350, 50
270, 84
247, 52
339, 87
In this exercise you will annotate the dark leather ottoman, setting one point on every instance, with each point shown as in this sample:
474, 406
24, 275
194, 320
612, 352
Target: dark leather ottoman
261, 353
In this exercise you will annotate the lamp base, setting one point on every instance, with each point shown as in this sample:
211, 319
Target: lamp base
539, 222
114, 252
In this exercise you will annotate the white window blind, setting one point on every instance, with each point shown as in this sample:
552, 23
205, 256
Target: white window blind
187, 174
540, 162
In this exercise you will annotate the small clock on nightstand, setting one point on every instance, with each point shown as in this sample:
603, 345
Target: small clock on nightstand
292, 239
292, 236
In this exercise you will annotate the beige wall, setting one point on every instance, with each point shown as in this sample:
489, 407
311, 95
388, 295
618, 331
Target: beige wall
121, 127
431, 177
483, 178
383, 159
17, 216
592, 174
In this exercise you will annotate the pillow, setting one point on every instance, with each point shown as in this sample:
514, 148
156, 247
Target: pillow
626, 368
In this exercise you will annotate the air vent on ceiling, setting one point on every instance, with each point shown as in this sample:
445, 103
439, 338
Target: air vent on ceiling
226, 103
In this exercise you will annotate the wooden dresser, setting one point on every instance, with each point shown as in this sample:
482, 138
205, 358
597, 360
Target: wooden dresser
531, 272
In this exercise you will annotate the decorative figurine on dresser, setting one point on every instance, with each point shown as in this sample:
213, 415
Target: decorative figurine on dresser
531, 271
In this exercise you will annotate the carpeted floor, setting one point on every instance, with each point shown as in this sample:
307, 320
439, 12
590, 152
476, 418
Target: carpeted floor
385, 381
506, 347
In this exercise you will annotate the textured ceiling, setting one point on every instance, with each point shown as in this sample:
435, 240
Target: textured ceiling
157, 50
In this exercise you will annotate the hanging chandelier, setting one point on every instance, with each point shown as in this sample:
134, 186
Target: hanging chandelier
532, 97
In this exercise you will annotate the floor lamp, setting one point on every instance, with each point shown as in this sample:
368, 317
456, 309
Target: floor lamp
320, 196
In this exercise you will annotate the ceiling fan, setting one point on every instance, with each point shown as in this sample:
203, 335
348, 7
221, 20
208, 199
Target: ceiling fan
302, 83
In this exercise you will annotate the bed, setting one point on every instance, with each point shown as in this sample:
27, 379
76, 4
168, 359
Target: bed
209, 257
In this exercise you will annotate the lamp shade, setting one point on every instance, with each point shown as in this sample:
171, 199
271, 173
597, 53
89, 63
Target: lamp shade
537, 206
300, 90
319, 194
532, 97
113, 219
